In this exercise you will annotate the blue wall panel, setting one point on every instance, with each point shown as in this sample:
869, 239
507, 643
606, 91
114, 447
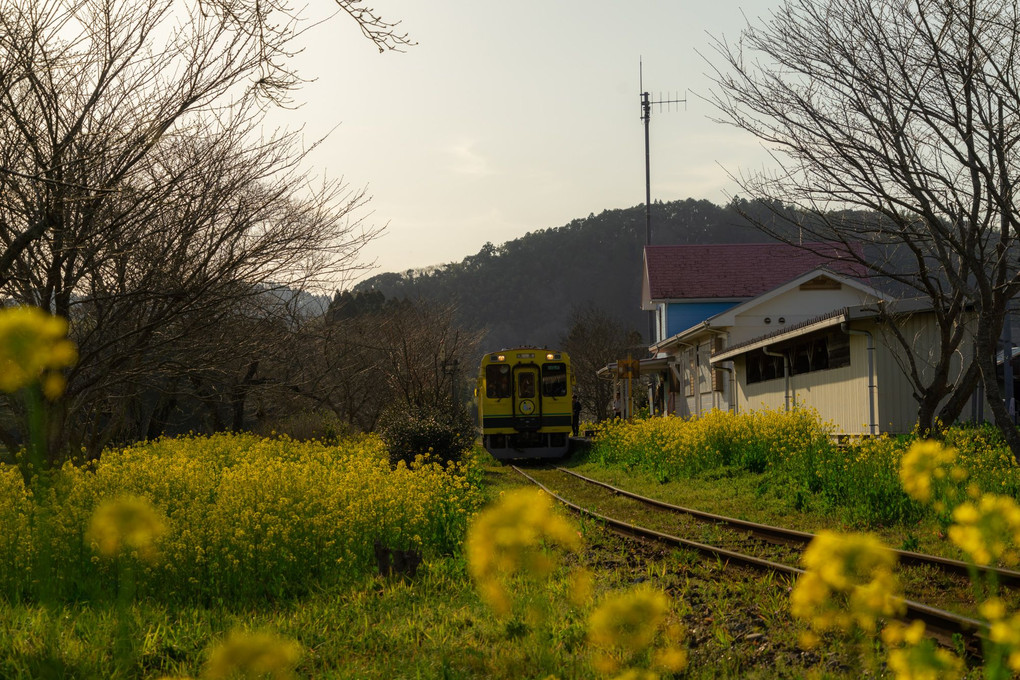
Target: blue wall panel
682, 315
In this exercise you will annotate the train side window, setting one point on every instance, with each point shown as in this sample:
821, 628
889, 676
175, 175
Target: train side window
497, 381
526, 385
554, 380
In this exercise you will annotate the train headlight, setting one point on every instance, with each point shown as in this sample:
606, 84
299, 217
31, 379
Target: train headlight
500, 357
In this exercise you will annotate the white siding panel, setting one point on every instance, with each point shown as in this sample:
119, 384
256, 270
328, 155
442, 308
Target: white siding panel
840, 395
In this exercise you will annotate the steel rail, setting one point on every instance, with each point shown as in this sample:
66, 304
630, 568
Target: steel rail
779, 535
944, 625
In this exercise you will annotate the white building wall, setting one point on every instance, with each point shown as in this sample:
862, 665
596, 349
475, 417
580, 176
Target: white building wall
791, 308
705, 388
840, 395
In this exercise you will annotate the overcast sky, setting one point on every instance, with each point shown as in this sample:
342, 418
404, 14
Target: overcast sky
509, 117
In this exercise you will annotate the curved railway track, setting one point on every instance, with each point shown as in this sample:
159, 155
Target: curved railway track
946, 626
781, 536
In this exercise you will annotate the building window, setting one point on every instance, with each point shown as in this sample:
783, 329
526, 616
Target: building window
762, 367
817, 353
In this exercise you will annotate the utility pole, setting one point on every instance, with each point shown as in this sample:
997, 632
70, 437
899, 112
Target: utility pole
1007, 330
450, 367
646, 117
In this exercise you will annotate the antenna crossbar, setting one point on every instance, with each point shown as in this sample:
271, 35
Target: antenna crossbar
647, 103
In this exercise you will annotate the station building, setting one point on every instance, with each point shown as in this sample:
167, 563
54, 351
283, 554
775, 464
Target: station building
740, 327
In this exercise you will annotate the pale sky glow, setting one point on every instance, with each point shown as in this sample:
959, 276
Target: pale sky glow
512, 117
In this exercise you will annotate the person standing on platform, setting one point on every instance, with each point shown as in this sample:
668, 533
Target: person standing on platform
575, 420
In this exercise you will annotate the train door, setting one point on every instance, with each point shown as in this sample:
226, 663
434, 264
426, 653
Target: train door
527, 405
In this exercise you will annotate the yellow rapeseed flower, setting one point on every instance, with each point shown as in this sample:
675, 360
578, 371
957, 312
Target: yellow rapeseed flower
253, 655
911, 656
919, 663
628, 620
670, 659
511, 538
923, 462
637, 674
581, 582
1003, 630
993, 609
627, 625
848, 580
126, 523
32, 343
896, 633
988, 531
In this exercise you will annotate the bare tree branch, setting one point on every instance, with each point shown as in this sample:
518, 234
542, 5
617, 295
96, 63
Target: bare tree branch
895, 125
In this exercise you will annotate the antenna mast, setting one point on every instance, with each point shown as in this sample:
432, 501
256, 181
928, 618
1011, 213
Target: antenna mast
646, 117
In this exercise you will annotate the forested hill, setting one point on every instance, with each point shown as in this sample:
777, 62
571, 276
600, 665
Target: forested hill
524, 291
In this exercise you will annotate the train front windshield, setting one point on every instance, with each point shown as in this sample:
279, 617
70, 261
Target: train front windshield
554, 380
497, 381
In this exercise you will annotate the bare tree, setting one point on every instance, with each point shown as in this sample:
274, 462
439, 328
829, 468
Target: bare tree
426, 352
335, 362
594, 340
140, 198
368, 355
909, 112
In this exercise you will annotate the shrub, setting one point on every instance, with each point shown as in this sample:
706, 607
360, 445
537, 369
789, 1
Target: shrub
426, 431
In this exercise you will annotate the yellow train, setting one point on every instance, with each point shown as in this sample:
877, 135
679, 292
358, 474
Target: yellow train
525, 403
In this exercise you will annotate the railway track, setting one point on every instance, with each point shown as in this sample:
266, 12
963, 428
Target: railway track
742, 537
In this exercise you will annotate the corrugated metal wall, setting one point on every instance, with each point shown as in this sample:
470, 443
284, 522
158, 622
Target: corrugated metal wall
840, 395
898, 408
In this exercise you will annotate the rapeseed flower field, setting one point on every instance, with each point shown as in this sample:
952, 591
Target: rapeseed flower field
860, 480
231, 516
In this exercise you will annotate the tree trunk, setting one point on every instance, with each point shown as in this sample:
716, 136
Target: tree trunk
239, 396
926, 426
951, 410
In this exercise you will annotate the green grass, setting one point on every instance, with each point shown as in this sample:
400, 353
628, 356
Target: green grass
753, 497
431, 627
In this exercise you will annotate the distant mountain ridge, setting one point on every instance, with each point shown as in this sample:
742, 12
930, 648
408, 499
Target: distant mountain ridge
524, 291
